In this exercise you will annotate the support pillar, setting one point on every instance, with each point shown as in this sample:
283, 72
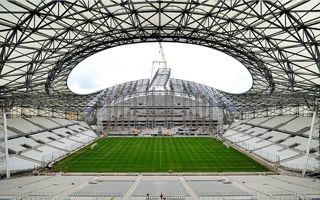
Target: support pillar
6, 144
309, 143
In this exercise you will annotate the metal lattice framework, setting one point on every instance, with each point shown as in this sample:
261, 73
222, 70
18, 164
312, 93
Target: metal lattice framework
42, 41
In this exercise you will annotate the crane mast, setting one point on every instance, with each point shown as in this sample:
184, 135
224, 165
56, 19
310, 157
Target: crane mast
160, 79
162, 55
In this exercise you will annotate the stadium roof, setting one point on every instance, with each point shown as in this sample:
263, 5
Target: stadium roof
42, 41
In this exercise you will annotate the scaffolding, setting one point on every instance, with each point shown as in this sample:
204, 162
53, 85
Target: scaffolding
220, 128
210, 118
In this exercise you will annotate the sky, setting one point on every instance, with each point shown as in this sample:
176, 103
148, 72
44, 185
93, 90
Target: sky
134, 61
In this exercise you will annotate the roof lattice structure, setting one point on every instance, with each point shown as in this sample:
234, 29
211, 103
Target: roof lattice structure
42, 41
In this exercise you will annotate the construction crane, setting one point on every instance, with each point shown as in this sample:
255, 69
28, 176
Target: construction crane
162, 55
159, 63
160, 74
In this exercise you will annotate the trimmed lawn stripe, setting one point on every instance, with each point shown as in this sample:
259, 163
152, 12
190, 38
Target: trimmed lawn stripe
158, 154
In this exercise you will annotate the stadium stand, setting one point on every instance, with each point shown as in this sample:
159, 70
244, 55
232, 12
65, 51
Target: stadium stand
104, 189
216, 188
63, 122
154, 188
63, 132
297, 125
298, 163
43, 122
40, 187
35, 142
22, 126
274, 136
254, 143
300, 143
66, 144
277, 121
242, 127
11, 134
172, 187
282, 140
17, 163
77, 128
279, 187
280, 152
83, 124
89, 133
45, 137
238, 137
257, 121
255, 131
276, 41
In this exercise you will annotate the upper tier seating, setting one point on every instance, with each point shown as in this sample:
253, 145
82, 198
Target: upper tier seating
63, 122
19, 144
22, 126
83, 124
77, 128
43, 122
300, 123
276, 121
315, 133
255, 131
257, 121
89, 133
230, 132
242, 127
10, 133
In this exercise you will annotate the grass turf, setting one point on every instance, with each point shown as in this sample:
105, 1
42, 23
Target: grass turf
158, 154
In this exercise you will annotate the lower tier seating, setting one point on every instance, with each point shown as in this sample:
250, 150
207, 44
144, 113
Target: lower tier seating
44, 141
282, 140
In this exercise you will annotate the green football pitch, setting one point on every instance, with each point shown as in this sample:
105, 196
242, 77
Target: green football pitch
158, 154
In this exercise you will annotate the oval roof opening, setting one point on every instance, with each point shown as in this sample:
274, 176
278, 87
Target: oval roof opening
135, 61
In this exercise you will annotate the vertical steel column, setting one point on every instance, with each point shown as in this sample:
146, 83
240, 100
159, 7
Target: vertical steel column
220, 121
309, 143
6, 144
